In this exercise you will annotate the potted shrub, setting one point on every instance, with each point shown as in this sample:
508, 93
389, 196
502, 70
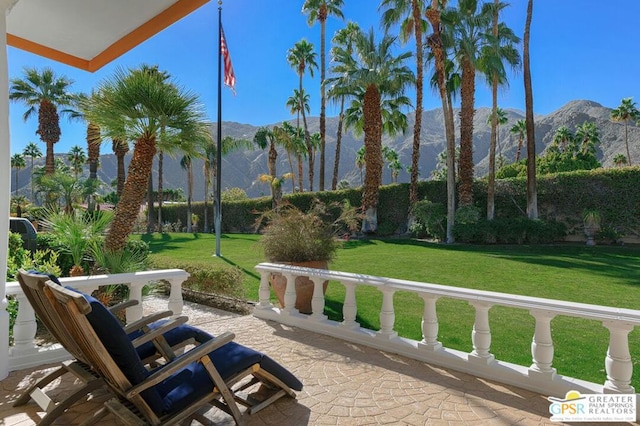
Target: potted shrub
591, 220
308, 239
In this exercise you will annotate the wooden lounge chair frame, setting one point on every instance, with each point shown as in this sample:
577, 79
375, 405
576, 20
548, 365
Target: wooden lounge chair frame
130, 406
32, 285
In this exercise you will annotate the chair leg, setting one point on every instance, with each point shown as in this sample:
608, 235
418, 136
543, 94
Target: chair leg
26, 396
224, 390
63, 405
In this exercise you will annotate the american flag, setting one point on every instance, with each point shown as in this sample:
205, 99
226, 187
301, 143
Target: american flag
229, 76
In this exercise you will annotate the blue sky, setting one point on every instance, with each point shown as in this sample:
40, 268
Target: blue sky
579, 50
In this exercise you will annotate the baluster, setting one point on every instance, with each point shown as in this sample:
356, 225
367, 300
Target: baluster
24, 330
317, 302
289, 294
176, 303
349, 308
430, 325
618, 362
481, 335
387, 316
542, 347
264, 293
134, 313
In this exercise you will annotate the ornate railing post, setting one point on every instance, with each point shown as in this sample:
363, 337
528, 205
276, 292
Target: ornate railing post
349, 308
481, 335
176, 302
430, 324
24, 330
317, 301
134, 313
387, 315
542, 347
618, 362
289, 294
264, 294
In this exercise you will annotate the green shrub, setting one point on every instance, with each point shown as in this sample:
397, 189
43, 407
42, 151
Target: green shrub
430, 219
208, 278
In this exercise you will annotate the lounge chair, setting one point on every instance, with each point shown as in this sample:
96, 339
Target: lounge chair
215, 373
156, 339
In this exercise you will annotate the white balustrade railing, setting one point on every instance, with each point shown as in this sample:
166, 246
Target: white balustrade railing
25, 353
540, 376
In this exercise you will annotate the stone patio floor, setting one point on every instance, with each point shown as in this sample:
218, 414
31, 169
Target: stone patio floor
344, 384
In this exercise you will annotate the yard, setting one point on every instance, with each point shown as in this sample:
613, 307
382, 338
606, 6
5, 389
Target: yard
601, 275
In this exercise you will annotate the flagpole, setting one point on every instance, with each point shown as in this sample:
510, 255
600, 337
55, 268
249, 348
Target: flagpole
218, 209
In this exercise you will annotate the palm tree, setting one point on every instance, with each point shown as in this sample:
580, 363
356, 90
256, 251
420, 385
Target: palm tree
410, 13
625, 112
295, 106
344, 40
264, 138
520, 130
498, 49
619, 160
76, 158
588, 135
32, 151
135, 105
293, 144
185, 163
301, 58
320, 10
378, 76
435, 43
468, 27
43, 92
17, 162
532, 191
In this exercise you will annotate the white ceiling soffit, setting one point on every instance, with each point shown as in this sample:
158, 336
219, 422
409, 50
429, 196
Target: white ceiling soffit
88, 34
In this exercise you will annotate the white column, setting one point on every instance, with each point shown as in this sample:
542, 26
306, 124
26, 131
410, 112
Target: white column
176, 303
317, 302
264, 293
290, 295
134, 313
481, 335
542, 347
349, 308
430, 325
5, 188
24, 330
387, 316
618, 363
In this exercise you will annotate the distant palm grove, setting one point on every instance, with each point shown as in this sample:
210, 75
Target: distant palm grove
368, 73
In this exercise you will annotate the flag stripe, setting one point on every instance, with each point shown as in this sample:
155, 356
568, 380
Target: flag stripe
229, 75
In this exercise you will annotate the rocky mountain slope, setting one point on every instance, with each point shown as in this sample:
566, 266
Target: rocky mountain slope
241, 169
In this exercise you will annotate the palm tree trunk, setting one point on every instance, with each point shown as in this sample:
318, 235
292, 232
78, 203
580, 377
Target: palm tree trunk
373, 158
336, 163
307, 139
128, 207
417, 128
49, 131
189, 196
532, 190
435, 43
160, 188
150, 203
626, 142
467, 96
271, 165
207, 181
323, 96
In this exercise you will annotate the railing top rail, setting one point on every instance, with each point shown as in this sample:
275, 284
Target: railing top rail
104, 279
552, 306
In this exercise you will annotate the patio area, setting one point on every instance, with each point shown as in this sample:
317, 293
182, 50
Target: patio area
344, 383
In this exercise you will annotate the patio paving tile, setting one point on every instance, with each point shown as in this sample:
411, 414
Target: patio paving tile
345, 384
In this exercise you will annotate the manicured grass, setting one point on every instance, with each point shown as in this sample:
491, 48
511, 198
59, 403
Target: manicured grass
601, 275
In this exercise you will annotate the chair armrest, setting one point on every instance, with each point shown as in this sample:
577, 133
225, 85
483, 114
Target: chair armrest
159, 331
122, 305
144, 321
182, 361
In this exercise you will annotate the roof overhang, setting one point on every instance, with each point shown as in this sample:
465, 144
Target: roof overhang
89, 34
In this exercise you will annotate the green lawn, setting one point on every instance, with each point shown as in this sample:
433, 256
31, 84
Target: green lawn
601, 275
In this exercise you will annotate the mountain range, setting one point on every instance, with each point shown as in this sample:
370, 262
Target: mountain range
241, 169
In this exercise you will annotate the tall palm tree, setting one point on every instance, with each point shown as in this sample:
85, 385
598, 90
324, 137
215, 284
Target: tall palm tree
626, 111
43, 92
409, 12
295, 106
266, 138
320, 10
302, 58
18, 163
296, 144
532, 190
134, 105
293, 145
467, 25
520, 130
32, 151
435, 43
76, 158
343, 38
499, 48
588, 137
360, 162
378, 75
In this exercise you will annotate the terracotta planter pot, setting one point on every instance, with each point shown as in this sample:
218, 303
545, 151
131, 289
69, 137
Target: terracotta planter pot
304, 286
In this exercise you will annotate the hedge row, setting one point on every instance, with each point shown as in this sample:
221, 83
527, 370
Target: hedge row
562, 197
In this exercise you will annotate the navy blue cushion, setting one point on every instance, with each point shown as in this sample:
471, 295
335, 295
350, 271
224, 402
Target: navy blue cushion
173, 337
